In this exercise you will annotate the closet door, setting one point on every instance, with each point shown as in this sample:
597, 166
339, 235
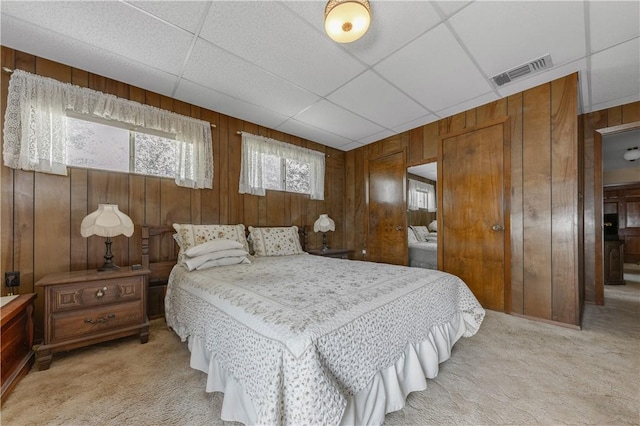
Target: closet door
473, 211
387, 219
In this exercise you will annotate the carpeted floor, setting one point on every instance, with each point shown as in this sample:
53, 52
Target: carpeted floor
514, 371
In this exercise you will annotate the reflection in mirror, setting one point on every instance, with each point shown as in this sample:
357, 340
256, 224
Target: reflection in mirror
421, 215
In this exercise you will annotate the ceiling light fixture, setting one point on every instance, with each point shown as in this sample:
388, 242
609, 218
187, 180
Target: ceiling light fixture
347, 20
632, 154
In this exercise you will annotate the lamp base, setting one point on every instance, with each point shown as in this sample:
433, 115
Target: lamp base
324, 242
108, 259
108, 266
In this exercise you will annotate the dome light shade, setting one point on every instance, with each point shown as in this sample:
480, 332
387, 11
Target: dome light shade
347, 20
632, 154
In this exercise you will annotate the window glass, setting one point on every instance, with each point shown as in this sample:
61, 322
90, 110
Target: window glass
99, 146
154, 155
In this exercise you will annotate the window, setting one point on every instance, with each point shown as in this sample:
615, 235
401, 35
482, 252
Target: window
283, 174
99, 146
36, 133
270, 164
421, 196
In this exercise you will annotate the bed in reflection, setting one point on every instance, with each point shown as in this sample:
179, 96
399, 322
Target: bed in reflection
423, 247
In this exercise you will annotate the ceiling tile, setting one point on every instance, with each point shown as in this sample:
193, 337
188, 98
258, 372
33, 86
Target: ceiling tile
387, 106
219, 102
113, 26
312, 133
624, 16
399, 26
335, 119
213, 67
184, 14
276, 39
435, 71
450, 7
50, 45
500, 38
615, 72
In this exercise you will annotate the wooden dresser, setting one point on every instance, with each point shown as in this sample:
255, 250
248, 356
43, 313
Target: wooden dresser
86, 307
16, 319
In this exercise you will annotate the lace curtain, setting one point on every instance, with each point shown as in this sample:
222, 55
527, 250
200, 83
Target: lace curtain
421, 195
35, 129
251, 173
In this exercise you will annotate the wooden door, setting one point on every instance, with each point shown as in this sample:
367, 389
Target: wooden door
473, 211
386, 230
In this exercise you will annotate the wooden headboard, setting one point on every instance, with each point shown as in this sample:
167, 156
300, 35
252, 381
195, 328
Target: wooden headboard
163, 253
163, 256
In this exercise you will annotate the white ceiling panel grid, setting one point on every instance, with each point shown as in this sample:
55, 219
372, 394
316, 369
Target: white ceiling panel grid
270, 62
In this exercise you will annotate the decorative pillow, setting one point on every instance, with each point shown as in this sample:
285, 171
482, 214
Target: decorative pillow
188, 236
433, 226
225, 261
421, 232
281, 241
192, 263
411, 235
213, 246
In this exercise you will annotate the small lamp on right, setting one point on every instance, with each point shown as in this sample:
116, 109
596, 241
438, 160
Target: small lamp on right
324, 224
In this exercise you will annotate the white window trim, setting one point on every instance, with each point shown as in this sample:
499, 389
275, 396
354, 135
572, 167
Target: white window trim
35, 127
253, 147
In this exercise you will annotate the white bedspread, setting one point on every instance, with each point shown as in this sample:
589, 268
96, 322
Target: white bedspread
303, 333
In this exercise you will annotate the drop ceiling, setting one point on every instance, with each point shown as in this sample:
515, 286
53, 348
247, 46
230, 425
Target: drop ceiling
270, 62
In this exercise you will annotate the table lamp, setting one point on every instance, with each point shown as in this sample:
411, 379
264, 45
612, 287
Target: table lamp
108, 222
324, 224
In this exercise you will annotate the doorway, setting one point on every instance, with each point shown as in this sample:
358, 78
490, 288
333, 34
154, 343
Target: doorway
599, 135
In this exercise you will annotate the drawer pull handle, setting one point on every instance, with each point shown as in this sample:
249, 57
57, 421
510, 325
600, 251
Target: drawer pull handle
100, 292
99, 320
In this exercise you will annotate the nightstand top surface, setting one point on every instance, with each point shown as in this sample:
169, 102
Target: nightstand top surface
90, 275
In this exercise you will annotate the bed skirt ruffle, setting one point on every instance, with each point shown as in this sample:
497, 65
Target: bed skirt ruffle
385, 392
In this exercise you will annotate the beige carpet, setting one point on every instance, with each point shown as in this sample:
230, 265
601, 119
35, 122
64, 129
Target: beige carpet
514, 371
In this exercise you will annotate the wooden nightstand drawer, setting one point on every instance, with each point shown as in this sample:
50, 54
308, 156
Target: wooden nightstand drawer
86, 307
74, 296
70, 325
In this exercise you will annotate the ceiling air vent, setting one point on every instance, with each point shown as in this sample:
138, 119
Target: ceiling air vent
520, 71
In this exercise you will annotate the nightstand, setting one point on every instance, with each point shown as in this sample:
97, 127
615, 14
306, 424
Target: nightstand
335, 253
86, 307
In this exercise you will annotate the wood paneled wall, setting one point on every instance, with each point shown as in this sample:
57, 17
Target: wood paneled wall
589, 124
41, 213
545, 210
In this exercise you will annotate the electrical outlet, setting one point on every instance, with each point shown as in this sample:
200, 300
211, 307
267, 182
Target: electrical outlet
12, 279
364, 252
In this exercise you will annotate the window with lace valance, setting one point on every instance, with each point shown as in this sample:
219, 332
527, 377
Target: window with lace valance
36, 127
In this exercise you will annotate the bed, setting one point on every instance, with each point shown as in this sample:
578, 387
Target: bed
292, 338
423, 247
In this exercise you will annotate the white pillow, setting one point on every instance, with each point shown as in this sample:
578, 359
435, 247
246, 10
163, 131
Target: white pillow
192, 263
225, 261
188, 235
421, 232
411, 235
433, 226
213, 246
280, 241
